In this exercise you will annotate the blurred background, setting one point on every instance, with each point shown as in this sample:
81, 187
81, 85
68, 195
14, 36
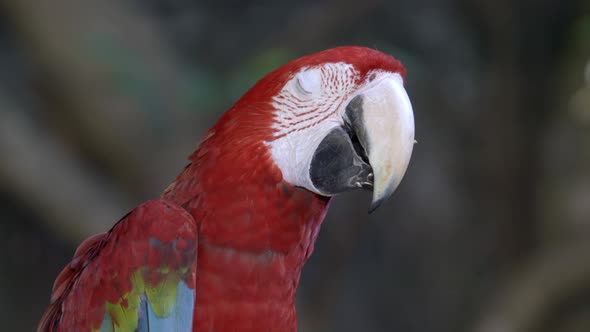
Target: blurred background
101, 102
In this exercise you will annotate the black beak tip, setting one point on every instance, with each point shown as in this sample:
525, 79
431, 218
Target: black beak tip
375, 205
381, 198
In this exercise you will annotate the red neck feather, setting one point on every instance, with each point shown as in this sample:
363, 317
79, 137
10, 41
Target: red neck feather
255, 230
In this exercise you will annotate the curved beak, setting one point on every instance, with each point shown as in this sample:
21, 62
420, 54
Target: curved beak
373, 147
384, 124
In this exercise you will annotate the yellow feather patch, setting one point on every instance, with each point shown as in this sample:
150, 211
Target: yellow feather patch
162, 297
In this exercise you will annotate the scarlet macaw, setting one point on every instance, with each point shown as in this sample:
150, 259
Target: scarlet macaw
222, 249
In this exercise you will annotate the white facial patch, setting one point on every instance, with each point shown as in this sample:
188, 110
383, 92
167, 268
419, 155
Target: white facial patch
308, 107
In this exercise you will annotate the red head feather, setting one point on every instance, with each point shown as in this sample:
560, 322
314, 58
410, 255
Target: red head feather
254, 108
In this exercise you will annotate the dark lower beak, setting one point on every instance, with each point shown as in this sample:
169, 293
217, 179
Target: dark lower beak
372, 150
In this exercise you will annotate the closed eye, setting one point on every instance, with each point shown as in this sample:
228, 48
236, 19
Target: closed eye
301, 88
309, 82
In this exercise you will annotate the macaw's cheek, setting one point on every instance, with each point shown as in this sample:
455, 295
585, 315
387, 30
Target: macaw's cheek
336, 167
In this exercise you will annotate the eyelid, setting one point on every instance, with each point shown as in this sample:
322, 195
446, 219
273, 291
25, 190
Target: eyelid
309, 82
301, 88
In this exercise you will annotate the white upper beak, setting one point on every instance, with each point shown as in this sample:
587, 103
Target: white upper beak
389, 127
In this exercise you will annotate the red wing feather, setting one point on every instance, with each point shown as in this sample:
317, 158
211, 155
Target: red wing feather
124, 277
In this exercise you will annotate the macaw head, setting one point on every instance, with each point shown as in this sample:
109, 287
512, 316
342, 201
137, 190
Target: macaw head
330, 122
